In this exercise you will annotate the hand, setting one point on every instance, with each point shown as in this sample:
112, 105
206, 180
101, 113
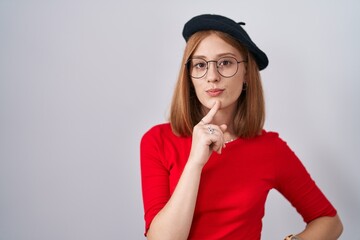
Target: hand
207, 137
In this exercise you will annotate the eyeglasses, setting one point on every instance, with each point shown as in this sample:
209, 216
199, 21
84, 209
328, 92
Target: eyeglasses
226, 66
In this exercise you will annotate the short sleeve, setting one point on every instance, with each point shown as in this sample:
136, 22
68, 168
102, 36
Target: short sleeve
296, 185
154, 175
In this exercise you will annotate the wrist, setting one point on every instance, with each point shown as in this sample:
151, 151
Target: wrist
195, 161
193, 166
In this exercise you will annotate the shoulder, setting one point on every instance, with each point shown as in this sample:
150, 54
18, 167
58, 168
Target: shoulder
159, 134
158, 130
269, 137
284, 155
269, 134
271, 141
160, 142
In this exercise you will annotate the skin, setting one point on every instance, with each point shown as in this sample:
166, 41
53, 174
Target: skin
212, 48
174, 220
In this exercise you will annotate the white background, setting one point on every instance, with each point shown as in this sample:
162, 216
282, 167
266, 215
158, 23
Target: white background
81, 81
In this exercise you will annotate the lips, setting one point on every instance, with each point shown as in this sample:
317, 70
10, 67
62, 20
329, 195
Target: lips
215, 92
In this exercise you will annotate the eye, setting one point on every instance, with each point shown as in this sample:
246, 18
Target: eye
226, 62
199, 64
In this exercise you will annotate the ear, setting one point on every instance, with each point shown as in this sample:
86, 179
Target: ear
245, 86
246, 75
245, 70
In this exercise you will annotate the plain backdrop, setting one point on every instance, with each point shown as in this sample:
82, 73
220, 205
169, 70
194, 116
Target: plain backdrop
81, 81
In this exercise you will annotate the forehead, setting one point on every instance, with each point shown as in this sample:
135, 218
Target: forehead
213, 46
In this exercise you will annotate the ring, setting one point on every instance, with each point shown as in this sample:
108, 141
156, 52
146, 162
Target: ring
211, 130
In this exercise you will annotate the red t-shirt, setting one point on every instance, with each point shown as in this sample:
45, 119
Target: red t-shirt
234, 184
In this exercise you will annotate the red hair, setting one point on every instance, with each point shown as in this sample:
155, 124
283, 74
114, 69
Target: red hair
185, 111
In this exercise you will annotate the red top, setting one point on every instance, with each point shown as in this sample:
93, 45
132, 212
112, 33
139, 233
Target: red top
234, 184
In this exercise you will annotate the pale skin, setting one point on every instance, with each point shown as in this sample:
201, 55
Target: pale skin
175, 219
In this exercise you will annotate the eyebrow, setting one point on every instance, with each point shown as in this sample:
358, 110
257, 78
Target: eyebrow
217, 56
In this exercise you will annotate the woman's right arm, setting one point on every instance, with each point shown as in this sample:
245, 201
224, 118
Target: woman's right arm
174, 220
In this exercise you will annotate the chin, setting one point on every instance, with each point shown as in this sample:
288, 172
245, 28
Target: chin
209, 103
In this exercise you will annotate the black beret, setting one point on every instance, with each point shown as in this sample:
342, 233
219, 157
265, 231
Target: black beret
226, 25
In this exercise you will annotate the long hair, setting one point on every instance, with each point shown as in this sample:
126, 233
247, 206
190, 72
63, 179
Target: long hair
186, 109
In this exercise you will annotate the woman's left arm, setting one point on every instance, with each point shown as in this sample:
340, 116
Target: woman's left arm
296, 184
322, 228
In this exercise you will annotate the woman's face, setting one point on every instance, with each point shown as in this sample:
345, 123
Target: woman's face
213, 86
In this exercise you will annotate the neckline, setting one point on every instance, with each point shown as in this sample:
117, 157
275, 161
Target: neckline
231, 141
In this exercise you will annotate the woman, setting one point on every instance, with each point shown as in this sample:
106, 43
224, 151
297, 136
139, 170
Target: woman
207, 173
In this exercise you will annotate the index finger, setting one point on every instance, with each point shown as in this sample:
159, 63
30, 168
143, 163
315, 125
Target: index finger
210, 115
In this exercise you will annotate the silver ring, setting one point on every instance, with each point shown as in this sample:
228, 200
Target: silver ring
211, 130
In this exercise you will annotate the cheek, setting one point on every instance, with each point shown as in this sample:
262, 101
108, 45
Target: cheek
235, 88
234, 92
201, 95
198, 87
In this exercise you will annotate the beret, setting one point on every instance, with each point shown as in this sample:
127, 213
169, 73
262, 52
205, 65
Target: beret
226, 25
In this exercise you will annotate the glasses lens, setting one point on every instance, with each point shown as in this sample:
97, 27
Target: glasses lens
227, 66
197, 67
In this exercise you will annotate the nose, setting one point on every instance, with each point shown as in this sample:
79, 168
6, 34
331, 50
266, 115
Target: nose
212, 72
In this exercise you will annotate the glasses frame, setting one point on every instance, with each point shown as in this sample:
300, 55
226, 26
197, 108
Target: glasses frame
216, 64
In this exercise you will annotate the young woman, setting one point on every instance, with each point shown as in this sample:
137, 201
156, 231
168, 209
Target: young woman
207, 173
